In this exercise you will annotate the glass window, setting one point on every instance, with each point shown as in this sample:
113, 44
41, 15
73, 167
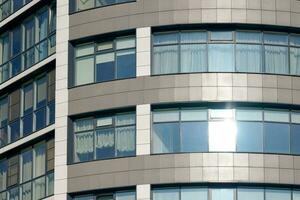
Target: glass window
221, 35
41, 91
249, 137
50, 184
14, 193
14, 130
126, 64
249, 115
17, 4
105, 143
248, 37
4, 48
295, 138
296, 195
3, 196
39, 188
166, 38
221, 57
83, 148
84, 50
17, 41
29, 33
84, 197
26, 165
166, 194
125, 43
3, 174
125, 141
278, 194
194, 193
28, 98
166, 116
276, 60
194, 136
13, 171
224, 194
222, 135
26, 191
43, 25
248, 58
39, 159
294, 40
193, 57
193, 115
276, 116
270, 38
84, 4
277, 138
83, 125
105, 67
165, 60
295, 61
250, 194
166, 138
193, 37
295, 117
125, 196
84, 71
125, 119
3, 111
53, 19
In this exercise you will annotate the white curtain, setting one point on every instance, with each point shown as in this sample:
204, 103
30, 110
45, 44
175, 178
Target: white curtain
295, 61
221, 57
39, 188
122, 120
276, 59
84, 146
104, 138
165, 59
125, 140
248, 58
193, 58
40, 160
83, 125
26, 191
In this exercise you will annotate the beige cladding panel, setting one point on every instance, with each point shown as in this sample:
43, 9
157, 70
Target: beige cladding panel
216, 87
184, 168
149, 13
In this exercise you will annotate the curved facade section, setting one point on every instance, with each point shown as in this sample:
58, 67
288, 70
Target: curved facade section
143, 13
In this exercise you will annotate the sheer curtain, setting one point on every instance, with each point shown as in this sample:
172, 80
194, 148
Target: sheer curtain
83, 125
105, 143
193, 58
165, 59
248, 58
221, 57
276, 59
84, 146
122, 120
125, 141
295, 61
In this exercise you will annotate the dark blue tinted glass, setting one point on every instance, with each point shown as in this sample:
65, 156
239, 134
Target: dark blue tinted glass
249, 137
29, 57
105, 71
51, 112
43, 50
194, 137
277, 139
17, 4
16, 65
17, 38
295, 139
27, 124
166, 138
3, 136
14, 131
40, 118
126, 64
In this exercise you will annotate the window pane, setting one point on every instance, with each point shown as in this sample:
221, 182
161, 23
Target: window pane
166, 38
194, 136
224, 194
39, 187
295, 40
26, 163
84, 71
13, 171
270, 38
105, 67
43, 50
5, 48
277, 138
295, 61
193, 37
221, 35
193, 58
40, 116
104, 121
39, 159
125, 119
276, 59
26, 191
249, 137
3, 196
3, 174
17, 4
125, 196
17, 38
276, 116
166, 116
29, 33
222, 135
193, 115
28, 99
14, 194
166, 194
248, 37
84, 147
250, 194
83, 125
3, 136
105, 143
3, 111
295, 139
41, 91
221, 57
249, 115
296, 195
50, 184
194, 193
14, 131
295, 117
166, 138
105, 46
43, 25
126, 64
125, 43
16, 65
84, 50
125, 141
82, 5
278, 195
85, 197
165, 59
221, 114
248, 58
